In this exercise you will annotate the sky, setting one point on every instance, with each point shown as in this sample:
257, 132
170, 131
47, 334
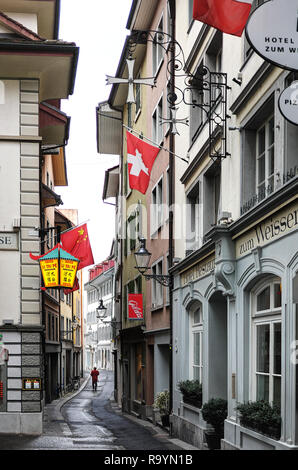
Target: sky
99, 29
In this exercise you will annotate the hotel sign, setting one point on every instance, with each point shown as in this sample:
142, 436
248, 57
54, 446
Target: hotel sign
272, 32
283, 222
9, 241
288, 103
198, 271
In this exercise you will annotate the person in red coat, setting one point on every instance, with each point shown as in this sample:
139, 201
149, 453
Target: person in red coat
94, 374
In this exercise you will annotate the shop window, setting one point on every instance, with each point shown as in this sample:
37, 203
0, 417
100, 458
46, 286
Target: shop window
266, 345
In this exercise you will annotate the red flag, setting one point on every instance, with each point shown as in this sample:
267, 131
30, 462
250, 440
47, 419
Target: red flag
229, 16
77, 243
140, 159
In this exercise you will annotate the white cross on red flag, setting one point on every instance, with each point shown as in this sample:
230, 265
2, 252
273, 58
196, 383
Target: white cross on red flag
229, 16
140, 159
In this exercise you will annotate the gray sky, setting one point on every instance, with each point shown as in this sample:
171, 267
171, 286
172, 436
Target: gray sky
98, 27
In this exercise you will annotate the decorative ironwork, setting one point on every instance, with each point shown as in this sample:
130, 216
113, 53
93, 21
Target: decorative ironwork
205, 89
130, 80
163, 279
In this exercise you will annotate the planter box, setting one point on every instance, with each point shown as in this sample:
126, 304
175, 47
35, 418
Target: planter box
196, 402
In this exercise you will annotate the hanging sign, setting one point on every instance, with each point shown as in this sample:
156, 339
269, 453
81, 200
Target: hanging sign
288, 103
272, 32
58, 267
135, 306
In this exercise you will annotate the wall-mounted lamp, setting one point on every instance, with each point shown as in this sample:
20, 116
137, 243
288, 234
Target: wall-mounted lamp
101, 310
142, 257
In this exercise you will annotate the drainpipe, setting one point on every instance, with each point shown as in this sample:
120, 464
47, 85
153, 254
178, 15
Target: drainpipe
172, 5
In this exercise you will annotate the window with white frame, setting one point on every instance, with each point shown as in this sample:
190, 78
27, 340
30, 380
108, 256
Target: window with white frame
157, 48
265, 158
194, 218
156, 208
266, 342
196, 342
157, 126
156, 287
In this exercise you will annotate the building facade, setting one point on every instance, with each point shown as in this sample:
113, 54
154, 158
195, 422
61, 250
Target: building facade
99, 337
31, 58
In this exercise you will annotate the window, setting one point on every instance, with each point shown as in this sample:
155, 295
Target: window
156, 208
194, 218
157, 126
196, 341
265, 159
266, 346
156, 287
212, 192
157, 48
197, 115
260, 165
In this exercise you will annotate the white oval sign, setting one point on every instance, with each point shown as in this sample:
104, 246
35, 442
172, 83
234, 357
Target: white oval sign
288, 103
272, 31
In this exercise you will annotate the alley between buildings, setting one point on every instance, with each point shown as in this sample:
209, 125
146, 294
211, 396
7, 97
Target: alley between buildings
91, 421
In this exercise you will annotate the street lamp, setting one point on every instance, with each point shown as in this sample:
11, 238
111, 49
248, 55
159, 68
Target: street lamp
142, 257
101, 310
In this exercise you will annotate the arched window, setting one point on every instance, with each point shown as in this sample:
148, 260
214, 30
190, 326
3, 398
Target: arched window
266, 341
196, 342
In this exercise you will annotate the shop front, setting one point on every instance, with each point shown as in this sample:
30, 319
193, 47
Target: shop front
235, 327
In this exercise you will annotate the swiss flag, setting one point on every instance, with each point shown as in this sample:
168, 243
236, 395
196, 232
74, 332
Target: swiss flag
77, 243
229, 16
140, 159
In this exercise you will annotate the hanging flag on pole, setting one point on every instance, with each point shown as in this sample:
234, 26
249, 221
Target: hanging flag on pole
140, 159
229, 16
77, 243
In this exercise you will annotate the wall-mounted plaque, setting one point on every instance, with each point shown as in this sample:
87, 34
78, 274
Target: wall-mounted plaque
9, 241
272, 32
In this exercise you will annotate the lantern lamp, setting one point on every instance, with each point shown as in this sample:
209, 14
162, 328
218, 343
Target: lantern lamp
58, 268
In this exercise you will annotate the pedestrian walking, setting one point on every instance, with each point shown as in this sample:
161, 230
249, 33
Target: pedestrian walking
94, 374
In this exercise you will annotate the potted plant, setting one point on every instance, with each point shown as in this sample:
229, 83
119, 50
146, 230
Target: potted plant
161, 403
262, 417
214, 412
191, 391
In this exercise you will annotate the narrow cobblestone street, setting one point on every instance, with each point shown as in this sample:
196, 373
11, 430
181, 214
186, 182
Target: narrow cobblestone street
91, 421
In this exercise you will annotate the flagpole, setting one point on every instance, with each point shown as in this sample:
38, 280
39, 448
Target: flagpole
154, 143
